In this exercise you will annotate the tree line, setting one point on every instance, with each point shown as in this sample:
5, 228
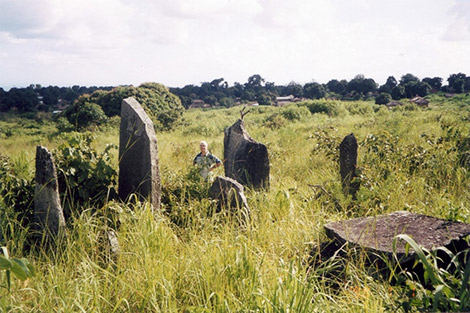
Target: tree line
218, 91
36, 98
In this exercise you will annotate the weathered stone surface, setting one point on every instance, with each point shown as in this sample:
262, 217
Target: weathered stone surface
229, 193
48, 213
246, 160
138, 154
348, 163
114, 247
376, 234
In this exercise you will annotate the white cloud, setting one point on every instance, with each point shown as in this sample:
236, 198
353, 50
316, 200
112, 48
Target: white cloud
185, 41
459, 27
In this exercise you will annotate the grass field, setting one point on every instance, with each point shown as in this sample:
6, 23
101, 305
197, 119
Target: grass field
191, 261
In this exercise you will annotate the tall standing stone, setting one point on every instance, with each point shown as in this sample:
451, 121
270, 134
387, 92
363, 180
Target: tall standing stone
138, 156
348, 164
246, 160
48, 214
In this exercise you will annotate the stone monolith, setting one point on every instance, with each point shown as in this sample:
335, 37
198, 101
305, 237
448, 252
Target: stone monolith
138, 155
348, 164
246, 160
48, 214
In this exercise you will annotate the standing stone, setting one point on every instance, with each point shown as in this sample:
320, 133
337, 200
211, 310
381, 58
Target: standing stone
229, 193
348, 163
138, 157
246, 160
48, 215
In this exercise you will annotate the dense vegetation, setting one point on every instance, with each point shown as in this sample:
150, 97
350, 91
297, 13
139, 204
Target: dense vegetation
218, 92
189, 259
36, 98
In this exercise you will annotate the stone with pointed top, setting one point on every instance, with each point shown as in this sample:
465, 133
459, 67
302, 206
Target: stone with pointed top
246, 160
48, 214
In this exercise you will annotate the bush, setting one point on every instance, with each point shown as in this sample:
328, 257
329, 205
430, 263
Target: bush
163, 107
85, 115
17, 191
63, 125
445, 288
383, 98
85, 176
332, 108
275, 121
295, 113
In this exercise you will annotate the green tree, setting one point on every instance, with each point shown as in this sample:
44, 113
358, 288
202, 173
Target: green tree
266, 98
314, 90
226, 102
294, 89
407, 78
163, 107
85, 114
435, 82
383, 98
336, 86
398, 92
457, 82
391, 82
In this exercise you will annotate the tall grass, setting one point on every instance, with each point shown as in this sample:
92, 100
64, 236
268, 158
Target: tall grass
209, 262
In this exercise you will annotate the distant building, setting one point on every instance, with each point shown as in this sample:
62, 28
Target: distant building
197, 104
421, 102
449, 95
281, 101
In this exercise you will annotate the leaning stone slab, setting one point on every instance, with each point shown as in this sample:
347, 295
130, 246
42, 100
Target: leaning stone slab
348, 163
246, 160
138, 156
48, 214
376, 234
229, 193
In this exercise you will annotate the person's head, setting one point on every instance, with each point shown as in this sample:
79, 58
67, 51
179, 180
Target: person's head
203, 145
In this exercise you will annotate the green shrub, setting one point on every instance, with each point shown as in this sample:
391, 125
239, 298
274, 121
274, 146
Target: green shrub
84, 115
63, 125
383, 98
359, 108
17, 191
332, 108
446, 288
295, 113
275, 121
85, 176
163, 107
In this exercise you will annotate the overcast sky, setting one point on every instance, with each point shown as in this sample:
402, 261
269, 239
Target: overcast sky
179, 42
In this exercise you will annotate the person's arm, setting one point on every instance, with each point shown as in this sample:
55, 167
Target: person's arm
216, 164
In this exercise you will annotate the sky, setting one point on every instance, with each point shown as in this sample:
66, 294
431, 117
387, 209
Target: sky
180, 42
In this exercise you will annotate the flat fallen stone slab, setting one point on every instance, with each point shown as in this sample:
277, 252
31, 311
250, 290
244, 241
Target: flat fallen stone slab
376, 234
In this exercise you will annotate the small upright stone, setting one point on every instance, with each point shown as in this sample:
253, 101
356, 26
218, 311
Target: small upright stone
348, 164
48, 215
246, 160
229, 193
138, 154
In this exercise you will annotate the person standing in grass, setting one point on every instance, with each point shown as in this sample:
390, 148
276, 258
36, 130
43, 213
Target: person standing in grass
206, 161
